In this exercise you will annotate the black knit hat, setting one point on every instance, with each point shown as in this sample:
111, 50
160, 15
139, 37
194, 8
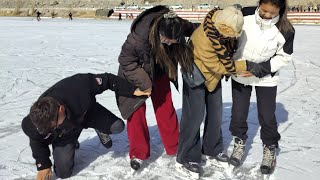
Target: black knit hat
171, 26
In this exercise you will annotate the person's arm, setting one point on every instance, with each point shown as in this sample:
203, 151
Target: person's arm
217, 66
189, 27
39, 145
132, 70
115, 83
284, 53
282, 57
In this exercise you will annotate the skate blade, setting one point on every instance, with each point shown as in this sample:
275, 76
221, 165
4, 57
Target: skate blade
191, 175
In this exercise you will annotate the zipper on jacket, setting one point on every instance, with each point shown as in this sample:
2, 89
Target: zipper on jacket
137, 103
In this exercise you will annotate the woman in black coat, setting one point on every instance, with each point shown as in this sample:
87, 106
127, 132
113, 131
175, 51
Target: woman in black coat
149, 59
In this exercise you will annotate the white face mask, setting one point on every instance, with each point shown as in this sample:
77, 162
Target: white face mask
266, 23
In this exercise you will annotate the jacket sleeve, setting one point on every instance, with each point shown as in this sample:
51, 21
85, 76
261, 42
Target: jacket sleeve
189, 27
41, 153
283, 55
39, 145
102, 82
216, 66
132, 70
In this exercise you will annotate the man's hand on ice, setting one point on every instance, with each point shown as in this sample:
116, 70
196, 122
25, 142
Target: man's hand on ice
44, 174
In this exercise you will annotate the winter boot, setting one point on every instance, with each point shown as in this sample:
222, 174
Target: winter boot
192, 166
189, 169
269, 159
238, 152
135, 163
105, 139
222, 157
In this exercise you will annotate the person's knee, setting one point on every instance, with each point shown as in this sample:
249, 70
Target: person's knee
117, 126
63, 172
63, 166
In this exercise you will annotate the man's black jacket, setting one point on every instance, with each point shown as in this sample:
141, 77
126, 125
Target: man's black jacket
77, 93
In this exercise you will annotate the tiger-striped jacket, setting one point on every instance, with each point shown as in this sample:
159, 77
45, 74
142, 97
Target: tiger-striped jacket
211, 59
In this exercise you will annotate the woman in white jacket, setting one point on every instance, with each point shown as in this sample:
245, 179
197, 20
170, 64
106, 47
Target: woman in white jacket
267, 45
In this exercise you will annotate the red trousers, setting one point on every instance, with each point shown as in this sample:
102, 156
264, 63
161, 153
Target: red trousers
138, 133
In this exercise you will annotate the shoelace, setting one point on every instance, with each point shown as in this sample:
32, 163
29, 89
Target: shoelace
238, 150
268, 156
105, 138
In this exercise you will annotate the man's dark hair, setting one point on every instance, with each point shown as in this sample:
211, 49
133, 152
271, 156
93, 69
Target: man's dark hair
42, 112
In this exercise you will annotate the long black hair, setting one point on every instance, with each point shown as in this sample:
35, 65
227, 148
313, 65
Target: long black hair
166, 56
283, 24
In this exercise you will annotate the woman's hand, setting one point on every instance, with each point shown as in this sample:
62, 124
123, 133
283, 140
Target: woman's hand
246, 74
146, 92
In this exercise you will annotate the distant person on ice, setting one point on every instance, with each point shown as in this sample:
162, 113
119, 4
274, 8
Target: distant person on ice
120, 17
70, 16
64, 110
38, 15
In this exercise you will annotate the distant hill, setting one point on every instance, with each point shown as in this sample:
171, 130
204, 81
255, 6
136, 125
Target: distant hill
88, 8
112, 3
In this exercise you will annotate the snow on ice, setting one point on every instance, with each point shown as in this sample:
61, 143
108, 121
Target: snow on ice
34, 55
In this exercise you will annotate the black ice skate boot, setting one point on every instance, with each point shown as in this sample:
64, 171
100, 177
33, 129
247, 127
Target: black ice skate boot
105, 139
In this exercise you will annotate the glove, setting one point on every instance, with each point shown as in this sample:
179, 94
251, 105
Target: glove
259, 69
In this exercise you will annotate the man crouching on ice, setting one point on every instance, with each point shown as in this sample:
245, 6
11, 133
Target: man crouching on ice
60, 114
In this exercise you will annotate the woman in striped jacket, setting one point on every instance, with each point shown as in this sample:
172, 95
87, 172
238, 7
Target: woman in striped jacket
213, 46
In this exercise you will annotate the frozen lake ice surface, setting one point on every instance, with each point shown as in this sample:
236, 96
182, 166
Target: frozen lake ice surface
34, 55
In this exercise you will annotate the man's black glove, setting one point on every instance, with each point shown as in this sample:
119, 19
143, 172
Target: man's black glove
259, 69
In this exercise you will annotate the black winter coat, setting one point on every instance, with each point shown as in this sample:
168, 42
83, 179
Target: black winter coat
77, 93
136, 60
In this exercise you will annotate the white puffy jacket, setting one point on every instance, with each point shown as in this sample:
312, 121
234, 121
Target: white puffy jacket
259, 43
